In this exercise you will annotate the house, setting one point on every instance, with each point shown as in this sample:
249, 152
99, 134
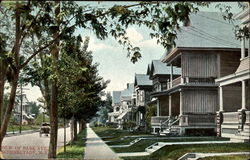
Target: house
126, 105
122, 106
205, 50
116, 104
160, 74
27, 118
233, 116
142, 89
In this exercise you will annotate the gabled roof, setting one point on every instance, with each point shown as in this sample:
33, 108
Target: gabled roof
116, 98
160, 68
207, 30
128, 91
142, 80
148, 69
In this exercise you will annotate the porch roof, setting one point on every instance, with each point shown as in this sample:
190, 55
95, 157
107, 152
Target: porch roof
207, 30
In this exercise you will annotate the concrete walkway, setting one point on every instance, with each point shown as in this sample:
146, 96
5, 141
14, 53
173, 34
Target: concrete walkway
96, 149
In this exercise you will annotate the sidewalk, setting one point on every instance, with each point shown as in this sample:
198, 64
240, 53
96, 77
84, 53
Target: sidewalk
96, 149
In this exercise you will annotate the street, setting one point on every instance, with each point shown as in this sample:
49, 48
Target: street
31, 146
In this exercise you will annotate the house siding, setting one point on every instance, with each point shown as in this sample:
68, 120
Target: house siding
164, 106
199, 65
200, 101
229, 62
231, 98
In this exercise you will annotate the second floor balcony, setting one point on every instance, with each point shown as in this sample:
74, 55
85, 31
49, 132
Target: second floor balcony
190, 81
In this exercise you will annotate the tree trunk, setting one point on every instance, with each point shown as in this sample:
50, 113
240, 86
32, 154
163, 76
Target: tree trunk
9, 109
72, 128
75, 129
15, 72
80, 125
54, 105
2, 82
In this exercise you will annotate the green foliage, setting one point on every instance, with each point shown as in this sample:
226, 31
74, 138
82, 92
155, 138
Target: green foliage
34, 108
40, 117
129, 125
176, 151
78, 81
104, 108
150, 112
75, 149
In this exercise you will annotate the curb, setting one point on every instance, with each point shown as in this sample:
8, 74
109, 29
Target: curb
10, 134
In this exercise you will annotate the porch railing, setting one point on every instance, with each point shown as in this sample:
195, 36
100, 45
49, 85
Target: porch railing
158, 120
200, 119
190, 80
176, 81
231, 117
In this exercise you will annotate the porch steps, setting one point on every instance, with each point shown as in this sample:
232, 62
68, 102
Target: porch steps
135, 141
154, 147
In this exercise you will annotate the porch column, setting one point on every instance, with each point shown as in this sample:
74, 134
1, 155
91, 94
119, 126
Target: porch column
181, 106
171, 75
248, 47
170, 105
243, 100
242, 47
158, 107
221, 98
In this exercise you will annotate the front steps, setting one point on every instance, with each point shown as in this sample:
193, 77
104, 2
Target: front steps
154, 147
239, 136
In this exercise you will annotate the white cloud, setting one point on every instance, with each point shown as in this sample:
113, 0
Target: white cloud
134, 36
95, 46
151, 43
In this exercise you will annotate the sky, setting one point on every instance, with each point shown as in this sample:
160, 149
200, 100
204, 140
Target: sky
113, 62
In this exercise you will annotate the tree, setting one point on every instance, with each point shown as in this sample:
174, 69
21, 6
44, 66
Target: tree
79, 83
38, 22
105, 108
34, 108
150, 112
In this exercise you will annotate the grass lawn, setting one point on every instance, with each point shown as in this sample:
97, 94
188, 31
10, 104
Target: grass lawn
75, 149
113, 134
143, 144
233, 157
176, 151
24, 127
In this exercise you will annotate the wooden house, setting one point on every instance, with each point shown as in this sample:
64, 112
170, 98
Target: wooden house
27, 118
122, 106
160, 75
142, 89
116, 104
233, 116
205, 50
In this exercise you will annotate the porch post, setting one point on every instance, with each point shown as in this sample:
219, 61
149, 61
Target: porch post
170, 105
181, 106
171, 75
221, 98
243, 100
242, 47
158, 107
